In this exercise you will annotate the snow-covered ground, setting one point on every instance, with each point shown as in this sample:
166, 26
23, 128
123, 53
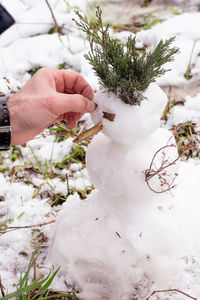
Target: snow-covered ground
26, 192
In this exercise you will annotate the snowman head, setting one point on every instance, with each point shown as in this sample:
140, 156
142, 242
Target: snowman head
131, 123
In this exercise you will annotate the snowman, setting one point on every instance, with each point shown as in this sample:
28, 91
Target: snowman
120, 240
112, 243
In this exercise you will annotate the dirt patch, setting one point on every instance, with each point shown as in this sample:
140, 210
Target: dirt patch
190, 88
125, 14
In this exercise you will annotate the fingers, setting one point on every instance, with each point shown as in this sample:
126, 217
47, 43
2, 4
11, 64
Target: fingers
72, 83
62, 103
72, 118
88, 92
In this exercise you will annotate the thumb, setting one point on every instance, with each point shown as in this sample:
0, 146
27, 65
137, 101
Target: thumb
63, 103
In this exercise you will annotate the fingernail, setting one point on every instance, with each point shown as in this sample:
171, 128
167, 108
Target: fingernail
90, 106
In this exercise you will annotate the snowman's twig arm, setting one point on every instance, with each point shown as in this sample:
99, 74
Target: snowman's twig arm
150, 172
95, 129
90, 132
165, 163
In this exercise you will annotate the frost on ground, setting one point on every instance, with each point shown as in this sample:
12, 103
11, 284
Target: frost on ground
123, 241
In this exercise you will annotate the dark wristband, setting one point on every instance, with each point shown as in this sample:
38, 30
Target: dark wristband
5, 129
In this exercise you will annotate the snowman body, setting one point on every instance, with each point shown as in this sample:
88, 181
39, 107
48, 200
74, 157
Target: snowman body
111, 245
129, 144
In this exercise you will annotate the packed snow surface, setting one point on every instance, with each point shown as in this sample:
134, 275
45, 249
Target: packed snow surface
124, 240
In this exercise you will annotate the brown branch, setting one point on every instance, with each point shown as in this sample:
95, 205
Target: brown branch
58, 28
171, 290
11, 228
87, 134
71, 132
150, 172
95, 129
35, 272
170, 186
65, 129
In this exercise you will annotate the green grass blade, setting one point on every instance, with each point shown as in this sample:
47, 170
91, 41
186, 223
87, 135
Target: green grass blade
46, 285
24, 280
51, 157
37, 161
24, 290
46, 167
181, 141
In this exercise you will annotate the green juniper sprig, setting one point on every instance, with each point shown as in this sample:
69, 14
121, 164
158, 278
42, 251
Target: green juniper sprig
119, 67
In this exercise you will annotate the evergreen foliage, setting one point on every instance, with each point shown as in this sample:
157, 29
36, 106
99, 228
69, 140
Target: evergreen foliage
119, 67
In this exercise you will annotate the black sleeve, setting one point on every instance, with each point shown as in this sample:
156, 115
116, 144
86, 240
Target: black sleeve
6, 20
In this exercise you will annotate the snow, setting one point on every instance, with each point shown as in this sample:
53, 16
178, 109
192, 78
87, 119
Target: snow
188, 112
176, 26
123, 241
46, 149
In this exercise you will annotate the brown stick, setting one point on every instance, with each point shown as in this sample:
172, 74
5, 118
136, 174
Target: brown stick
69, 131
35, 271
95, 129
90, 132
82, 129
65, 129
109, 116
2, 288
81, 136
149, 173
10, 228
171, 290
58, 28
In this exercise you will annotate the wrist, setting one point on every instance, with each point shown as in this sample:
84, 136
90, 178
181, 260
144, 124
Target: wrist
13, 113
5, 128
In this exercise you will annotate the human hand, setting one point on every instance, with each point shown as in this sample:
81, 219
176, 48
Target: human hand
50, 95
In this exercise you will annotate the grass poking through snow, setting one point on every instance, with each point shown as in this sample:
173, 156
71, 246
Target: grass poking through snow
33, 287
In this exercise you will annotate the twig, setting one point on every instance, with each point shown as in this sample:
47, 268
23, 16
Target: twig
95, 129
87, 134
82, 129
65, 129
34, 271
71, 132
171, 290
186, 132
67, 180
150, 172
11, 228
2, 288
109, 116
58, 28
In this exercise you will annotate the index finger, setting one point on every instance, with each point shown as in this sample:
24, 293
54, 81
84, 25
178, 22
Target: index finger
72, 83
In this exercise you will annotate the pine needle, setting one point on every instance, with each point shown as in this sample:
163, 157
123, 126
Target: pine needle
118, 66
